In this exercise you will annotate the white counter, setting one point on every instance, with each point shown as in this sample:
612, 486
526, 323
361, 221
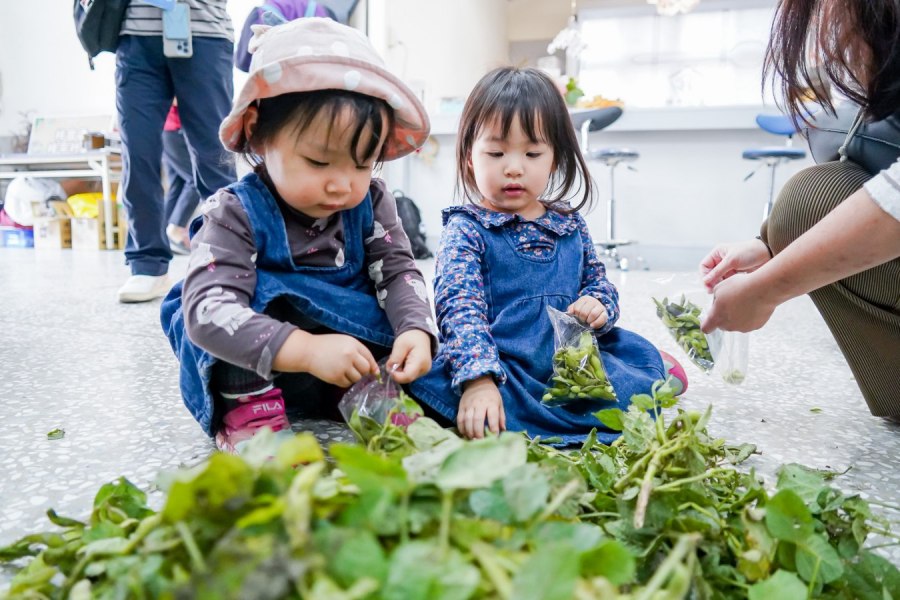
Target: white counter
673, 118
687, 193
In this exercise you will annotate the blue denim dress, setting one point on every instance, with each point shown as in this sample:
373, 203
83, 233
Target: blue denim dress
339, 298
518, 288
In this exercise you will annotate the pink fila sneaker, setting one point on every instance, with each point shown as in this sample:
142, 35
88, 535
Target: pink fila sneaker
674, 369
248, 415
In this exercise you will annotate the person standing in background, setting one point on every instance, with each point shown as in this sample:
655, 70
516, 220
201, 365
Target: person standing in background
169, 49
181, 196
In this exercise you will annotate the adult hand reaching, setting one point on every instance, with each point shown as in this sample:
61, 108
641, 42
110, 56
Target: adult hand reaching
727, 259
739, 304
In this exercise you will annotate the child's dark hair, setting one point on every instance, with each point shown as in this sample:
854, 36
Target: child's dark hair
298, 109
530, 95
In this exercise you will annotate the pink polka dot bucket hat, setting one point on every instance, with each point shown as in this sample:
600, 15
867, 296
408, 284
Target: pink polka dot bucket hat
311, 54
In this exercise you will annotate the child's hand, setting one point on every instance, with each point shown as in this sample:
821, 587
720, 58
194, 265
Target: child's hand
480, 401
334, 358
590, 310
411, 356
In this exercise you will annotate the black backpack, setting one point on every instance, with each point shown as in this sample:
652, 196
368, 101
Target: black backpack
97, 24
411, 220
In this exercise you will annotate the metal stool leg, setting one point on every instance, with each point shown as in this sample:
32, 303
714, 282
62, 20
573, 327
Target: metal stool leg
768, 207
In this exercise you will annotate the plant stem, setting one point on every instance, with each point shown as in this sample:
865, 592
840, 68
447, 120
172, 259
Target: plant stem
404, 517
190, 545
624, 479
496, 573
686, 544
446, 510
557, 501
679, 482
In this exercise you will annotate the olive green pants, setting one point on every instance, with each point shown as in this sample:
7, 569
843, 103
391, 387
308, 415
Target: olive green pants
862, 311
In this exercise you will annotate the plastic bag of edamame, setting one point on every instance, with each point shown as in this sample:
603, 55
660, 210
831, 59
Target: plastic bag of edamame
726, 352
578, 371
373, 401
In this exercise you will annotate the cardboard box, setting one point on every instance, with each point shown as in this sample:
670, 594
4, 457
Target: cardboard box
52, 232
89, 233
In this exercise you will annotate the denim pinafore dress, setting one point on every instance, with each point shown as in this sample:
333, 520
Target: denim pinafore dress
518, 288
341, 298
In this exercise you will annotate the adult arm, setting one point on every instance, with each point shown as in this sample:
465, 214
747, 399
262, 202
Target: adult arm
857, 235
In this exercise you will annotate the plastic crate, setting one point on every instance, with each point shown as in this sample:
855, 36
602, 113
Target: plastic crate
13, 237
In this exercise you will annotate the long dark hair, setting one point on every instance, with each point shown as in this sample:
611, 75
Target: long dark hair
298, 109
530, 95
857, 43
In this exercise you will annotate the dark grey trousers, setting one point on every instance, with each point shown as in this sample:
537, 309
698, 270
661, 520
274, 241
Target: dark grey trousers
862, 311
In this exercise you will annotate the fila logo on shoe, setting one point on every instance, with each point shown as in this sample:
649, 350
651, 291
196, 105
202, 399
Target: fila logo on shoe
266, 407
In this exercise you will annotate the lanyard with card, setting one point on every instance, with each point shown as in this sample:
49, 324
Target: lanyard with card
177, 31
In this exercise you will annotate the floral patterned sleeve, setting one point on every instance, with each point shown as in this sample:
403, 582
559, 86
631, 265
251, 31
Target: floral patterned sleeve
593, 279
461, 307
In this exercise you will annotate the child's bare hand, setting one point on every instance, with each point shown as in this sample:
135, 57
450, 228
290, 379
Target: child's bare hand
411, 356
590, 310
481, 401
339, 359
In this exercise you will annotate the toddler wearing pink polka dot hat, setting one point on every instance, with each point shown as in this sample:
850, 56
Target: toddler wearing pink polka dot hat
312, 54
301, 280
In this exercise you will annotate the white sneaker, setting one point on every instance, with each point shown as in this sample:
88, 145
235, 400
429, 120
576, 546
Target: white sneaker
141, 288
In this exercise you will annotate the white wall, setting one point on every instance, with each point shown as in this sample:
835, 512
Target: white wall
44, 69
686, 195
444, 47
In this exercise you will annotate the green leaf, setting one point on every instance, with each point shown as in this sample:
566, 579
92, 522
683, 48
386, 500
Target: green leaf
481, 462
738, 454
426, 433
421, 570
56, 434
123, 495
549, 574
526, 489
611, 560
208, 487
490, 503
34, 577
104, 547
781, 586
611, 417
643, 401
805, 482
368, 471
301, 449
583, 537
817, 551
351, 553
873, 578
787, 517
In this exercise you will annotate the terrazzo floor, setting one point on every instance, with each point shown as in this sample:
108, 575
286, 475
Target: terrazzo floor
71, 357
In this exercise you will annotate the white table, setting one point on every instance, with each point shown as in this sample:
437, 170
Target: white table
105, 164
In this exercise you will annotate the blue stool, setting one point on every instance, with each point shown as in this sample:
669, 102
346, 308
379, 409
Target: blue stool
595, 120
772, 156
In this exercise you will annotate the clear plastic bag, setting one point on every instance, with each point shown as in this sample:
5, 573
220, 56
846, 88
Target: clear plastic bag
578, 371
374, 401
733, 358
725, 352
681, 317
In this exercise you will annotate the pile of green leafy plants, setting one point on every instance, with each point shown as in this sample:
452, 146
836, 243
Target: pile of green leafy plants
416, 512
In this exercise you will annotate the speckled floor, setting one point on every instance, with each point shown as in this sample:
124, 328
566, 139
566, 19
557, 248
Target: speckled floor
71, 357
